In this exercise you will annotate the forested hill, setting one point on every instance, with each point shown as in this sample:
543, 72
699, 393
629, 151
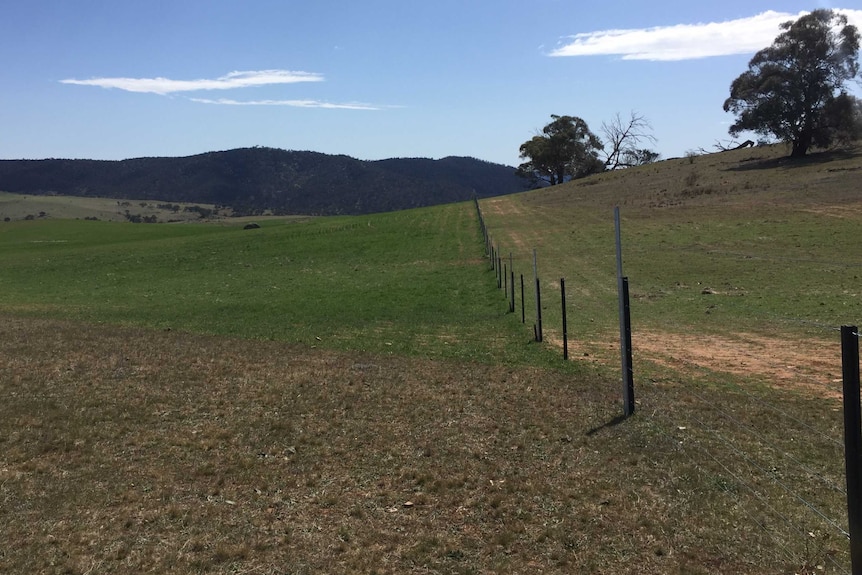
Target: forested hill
251, 180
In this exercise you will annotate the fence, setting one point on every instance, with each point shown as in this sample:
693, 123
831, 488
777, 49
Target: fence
810, 516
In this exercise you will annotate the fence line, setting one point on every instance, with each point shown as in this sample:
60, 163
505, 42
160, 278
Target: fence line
751, 463
697, 462
751, 431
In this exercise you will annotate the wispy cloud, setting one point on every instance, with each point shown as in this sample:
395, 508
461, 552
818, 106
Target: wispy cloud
687, 41
293, 103
164, 86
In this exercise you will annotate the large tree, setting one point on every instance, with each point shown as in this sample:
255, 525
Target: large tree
565, 148
795, 89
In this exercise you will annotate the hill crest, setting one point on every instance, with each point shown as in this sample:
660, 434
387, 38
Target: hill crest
254, 180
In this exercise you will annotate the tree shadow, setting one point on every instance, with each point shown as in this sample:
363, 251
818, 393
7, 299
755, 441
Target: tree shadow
786, 162
612, 423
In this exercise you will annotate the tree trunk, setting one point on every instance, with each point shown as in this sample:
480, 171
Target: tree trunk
561, 175
801, 145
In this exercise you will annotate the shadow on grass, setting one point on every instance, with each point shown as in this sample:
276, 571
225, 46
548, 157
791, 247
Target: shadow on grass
612, 423
787, 162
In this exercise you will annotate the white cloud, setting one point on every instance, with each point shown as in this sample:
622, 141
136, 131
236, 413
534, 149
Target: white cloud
687, 41
230, 81
293, 103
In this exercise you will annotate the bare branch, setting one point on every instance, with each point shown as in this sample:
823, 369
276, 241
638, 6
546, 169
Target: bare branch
625, 138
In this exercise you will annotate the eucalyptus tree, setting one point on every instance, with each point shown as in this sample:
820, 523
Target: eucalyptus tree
566, 148
796, 89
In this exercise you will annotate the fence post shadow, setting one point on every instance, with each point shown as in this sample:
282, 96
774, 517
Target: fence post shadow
612, 423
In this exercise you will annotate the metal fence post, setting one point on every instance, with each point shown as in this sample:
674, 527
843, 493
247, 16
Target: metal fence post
565, 322
625, 324
506, 281
628, 371
512, 293
523, 312
538, 327
852, 441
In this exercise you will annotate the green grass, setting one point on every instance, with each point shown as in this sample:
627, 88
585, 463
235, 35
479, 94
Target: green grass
409, 282
774, 260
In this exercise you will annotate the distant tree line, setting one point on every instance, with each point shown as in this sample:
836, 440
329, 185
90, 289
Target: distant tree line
253, 181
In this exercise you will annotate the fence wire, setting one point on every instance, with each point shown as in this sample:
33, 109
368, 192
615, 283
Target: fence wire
758, 480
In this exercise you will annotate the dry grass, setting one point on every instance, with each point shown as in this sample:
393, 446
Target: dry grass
142, 451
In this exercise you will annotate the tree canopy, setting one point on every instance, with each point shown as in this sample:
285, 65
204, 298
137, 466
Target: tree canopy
794, 90
565, 148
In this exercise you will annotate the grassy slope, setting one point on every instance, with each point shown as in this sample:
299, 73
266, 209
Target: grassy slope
129, 449
775, 242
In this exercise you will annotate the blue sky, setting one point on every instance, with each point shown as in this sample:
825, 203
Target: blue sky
372, 79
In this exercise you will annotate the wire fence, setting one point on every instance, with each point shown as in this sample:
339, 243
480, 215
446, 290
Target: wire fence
781, 463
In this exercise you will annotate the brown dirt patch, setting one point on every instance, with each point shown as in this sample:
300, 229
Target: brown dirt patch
812, 364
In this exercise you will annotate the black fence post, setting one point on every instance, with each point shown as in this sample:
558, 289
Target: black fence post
565, 322
506, 280
499, 272
538, 328
628, 372
523, 316
512, 292
852, 441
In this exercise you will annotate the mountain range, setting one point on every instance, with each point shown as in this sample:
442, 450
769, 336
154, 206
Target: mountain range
259, 179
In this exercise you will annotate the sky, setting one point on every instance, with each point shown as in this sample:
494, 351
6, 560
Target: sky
371, 79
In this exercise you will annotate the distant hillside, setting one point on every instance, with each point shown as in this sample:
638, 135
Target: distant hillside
251, 180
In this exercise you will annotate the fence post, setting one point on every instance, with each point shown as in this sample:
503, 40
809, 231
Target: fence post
565, 322
523, 317
625, 324
852, 441
505, 281
628, 371
499, 272
512, 292
538, 327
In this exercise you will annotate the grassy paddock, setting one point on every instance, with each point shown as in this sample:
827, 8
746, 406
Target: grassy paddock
408, 282
132, 450
350, 395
